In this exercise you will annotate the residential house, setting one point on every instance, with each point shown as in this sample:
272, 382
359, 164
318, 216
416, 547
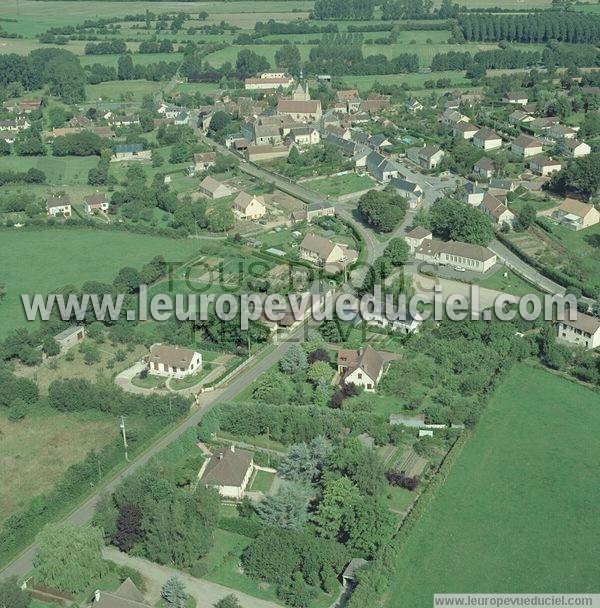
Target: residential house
364, 367
94, 203
341, 132
173, 361
541, 124
526, 146
70, 337
558, 132
428, 157
8, 136
576, 148
229, 471
515, 98
204, 161
350, 98
249, 207
544, 165
518, 117
416, 236
497, 211
399, 320
508, 185
484, 167
125, 152
266, 152
472, 194
412, 192
58, 206
453, 117
127, 595
305, 136
414, 106
382, 169
464, 130
380, 142
486, 139
584, 331
323, 252
123, 121
454, 253
14, 125
576, 215
213, 189
263, 134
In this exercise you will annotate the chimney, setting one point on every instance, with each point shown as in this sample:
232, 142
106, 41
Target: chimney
97, 595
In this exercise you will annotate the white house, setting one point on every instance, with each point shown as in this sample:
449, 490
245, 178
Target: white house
96, 203
409, 190
576, 148
229, 471
305, 136
544, 165
472, 194
173, 361
416, 236
364, 367
526, 146
515, 98
248, 207
576, 215
486, 139
58, 206
464, 130
584, 331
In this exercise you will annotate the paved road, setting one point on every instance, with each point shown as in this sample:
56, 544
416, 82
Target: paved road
82, 514
204, 592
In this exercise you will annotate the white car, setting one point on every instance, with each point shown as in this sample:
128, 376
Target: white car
460, 269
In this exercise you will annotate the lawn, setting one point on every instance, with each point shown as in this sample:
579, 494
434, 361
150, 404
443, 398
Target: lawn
517, 513
339, 185
262, 481
59, 170
43, 260
116, 90
37, 450
511, 283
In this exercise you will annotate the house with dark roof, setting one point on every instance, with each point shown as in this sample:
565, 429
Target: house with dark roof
486, 139
576, 215
544, 165
412, 192
58, 206
484, 167
464, 130
381, 168
428, 157
496, 210
95, 203
229, 471
526, 146
173, 361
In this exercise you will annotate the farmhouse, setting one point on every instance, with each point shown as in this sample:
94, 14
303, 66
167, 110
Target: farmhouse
249, 207
584, 331
130, 152
58, 205
95, 203
526, 146
544, 165
454, 253
175, 361
204, 161
576, 215
126, 596
213, 189
364, 367
70, 337
229, 471
486, 139
416, 236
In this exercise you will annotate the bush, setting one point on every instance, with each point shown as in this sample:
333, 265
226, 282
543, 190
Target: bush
17, 411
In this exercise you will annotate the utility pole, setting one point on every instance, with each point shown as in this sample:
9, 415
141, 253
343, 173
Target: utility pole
248, 336
122, 427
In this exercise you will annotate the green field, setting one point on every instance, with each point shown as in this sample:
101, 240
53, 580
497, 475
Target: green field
116, 90
518, 512
45, 260
338, 185
414, 81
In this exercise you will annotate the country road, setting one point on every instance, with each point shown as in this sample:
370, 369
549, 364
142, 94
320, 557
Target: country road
83, 513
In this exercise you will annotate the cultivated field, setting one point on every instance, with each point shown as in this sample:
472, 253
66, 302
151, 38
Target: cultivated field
518, 510
40, 261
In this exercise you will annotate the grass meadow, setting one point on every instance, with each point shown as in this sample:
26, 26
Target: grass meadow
45, 260
518, 512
